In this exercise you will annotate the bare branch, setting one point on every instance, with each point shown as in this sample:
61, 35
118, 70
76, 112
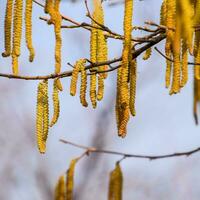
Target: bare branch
126, 155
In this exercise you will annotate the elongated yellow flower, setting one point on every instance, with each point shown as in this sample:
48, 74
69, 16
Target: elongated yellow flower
48, 6
184, 66
185, 14
28, 22
115, 184
163, 13
60, 190
83, 87
176, 55
77, 68
7, 28
70, 179
42, 119
56, 104
17, 30
133, 78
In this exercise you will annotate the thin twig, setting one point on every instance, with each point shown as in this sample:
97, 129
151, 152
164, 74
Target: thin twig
126, 155
167, 58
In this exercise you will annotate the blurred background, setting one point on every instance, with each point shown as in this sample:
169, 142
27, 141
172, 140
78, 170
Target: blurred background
163, 124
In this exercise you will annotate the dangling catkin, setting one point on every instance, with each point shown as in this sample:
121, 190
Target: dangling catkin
163, 13
77, 69
133, 77
176, 55
83, 87
184, 66
7, 28
45, 110
93, 58
123, 82
70, 179
17, 30
28, 22
42, 117
115, 184
60, 190
39, 119
56, 104
48, 6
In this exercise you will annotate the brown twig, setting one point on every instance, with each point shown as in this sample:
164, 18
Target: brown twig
126, 155
167, 58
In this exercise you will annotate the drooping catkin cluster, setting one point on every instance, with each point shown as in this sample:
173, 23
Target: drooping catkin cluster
98, 53
124, 90
42, 116
79, 68
177, 16
115, 184
15, 17
65, 185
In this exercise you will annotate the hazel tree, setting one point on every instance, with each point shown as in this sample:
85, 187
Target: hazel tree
179, 27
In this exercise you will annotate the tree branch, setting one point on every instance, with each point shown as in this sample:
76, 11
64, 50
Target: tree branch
126, 155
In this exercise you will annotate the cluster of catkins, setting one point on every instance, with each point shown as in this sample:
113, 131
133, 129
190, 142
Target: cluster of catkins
182, 20
65, 185
13, 31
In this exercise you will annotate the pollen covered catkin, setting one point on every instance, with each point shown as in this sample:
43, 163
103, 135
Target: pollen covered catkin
70, 179
17, 34
133, 78
56, 104
98, 53
77, 69
8, 28
83, 87
122, 85
17, 30
115, 184
60, 190
28, 22
42, 117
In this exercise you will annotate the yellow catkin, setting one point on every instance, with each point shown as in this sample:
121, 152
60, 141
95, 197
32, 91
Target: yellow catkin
77, 69
169, 11
115, 184
48, 6
184, 66
28, 22
39, 119
70, 179
17, 31
101, 50
83, 87
123, 86
93, 57
59, 84
45, 110
163, 13
185, 13
15, 64
176, 55
7, 28
56, 104
133, 78
147, 54
60, 190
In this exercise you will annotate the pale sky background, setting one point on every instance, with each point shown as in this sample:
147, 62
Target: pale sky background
164, 124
